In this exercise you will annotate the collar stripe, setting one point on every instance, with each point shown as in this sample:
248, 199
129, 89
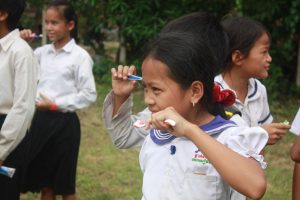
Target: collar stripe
255, 90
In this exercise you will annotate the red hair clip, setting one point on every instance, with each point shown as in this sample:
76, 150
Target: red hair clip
224, 96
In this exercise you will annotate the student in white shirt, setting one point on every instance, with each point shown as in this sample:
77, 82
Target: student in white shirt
249, 60
66, 84
193, 159
18, 79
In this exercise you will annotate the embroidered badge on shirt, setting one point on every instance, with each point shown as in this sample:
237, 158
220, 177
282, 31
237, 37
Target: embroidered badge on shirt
199, 157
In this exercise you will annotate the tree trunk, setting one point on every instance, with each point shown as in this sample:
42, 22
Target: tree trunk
298, 65
122, 49
44, 38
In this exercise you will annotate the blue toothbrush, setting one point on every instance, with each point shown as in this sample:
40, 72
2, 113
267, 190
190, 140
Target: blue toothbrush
134, 78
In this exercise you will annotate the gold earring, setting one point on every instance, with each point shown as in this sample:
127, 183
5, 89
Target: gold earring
193, 104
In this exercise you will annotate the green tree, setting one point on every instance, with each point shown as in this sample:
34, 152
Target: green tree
139, 20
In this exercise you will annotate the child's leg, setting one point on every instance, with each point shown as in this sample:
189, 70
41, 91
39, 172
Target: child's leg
69, 197
47, 194
296, 182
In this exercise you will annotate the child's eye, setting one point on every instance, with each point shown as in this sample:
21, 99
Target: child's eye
156, 90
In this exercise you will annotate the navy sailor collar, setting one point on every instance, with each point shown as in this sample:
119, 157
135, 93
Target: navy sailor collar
216, 126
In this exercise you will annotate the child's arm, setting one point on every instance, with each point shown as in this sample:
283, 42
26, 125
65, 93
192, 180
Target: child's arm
276, 131
117, 111
24, 83
121, 86
295, 150
243, 174
296, 182
120, 127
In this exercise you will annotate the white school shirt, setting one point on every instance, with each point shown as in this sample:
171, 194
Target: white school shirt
66, 76
18, 80
255, 110
187, 174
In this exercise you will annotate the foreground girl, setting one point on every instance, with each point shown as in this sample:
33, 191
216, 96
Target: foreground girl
202, 155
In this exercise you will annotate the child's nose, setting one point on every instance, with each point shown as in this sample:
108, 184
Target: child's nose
269, 59
148, 99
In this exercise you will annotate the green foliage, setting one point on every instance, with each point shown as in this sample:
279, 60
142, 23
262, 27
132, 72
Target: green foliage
139, 20
275, 83
102, 69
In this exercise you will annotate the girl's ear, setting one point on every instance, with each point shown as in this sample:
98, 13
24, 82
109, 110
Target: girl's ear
3, 15
237, 57
71, 25
197, 91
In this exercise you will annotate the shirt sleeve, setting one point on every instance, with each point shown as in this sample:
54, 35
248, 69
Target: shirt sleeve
247, 141
19, 117
85, 84
120, 127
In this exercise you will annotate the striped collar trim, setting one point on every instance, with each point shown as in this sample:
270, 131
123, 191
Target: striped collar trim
216, 126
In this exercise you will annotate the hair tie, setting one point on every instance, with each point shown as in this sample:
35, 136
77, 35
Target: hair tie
224, 96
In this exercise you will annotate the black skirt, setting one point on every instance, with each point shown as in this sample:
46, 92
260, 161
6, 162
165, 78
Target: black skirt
10, 187
55, 140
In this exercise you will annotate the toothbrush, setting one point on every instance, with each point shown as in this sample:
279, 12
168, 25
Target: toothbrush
134, 78
141, 123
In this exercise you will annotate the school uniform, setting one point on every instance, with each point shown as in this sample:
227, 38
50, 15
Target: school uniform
255, 110
18, 80
177, 169
66, 78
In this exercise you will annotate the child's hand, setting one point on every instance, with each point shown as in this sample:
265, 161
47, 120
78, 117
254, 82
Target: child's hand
44, 103
276, 131
27, 34
121, 86
159, 120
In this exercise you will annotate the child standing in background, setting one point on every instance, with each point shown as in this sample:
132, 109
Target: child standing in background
193, 159
249, 60
66, 84
18, 75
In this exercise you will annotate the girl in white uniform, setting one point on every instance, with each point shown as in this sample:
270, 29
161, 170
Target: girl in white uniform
248, 61
66, 84
203, 154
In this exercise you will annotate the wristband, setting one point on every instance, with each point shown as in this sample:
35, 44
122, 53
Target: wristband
53, 107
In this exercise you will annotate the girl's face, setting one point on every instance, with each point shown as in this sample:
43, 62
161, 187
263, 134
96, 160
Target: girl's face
57, 28
257, 63
160, 91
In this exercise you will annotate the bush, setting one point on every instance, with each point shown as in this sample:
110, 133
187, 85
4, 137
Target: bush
276, 84
102, 69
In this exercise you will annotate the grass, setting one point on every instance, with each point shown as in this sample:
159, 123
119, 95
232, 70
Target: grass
107, 173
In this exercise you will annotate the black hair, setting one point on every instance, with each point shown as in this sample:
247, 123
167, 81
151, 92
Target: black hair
189, 59
68, 12
15, 9
242, 32
205, 26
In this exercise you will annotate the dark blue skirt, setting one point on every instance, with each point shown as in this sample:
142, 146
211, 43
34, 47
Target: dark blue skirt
55, 139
